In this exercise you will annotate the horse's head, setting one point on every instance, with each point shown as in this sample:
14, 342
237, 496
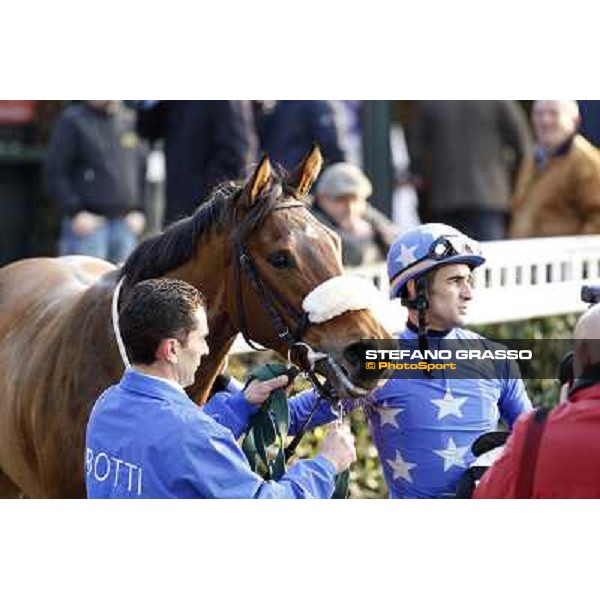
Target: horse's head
287, 284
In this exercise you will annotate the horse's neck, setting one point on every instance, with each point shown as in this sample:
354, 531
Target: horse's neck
210, 273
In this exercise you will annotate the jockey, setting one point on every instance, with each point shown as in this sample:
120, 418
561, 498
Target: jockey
424, 426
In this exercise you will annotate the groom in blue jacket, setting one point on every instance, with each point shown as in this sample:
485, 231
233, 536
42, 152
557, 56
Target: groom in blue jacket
146, 439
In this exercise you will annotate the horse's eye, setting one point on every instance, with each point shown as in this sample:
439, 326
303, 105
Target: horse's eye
281, 260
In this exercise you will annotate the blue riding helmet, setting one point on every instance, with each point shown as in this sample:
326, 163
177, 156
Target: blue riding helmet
426, 247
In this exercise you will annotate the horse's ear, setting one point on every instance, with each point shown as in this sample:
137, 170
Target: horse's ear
304, 175
257, 183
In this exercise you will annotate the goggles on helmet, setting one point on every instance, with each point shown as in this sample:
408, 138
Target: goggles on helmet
447, 246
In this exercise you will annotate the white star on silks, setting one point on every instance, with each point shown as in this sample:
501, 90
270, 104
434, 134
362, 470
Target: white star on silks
449, 405
407, 256
453, 455
400, 467
387, 416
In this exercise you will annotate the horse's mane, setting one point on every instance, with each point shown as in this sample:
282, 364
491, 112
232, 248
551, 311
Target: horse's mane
166, 251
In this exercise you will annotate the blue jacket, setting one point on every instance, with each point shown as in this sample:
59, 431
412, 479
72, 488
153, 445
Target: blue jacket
424, 427
146, 439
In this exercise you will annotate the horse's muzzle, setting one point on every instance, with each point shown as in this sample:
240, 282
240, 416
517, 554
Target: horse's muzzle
338, 384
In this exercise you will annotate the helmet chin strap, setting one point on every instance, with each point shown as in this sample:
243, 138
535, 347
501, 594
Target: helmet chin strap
420, 304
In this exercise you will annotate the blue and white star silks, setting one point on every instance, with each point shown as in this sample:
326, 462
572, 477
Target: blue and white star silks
449, 405
439, 420
387, 416
400, 468
407, 256
423, 427
453, 455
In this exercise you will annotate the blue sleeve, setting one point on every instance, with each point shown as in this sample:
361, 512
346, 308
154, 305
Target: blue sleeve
301, 406
234, 385
217, 468
514, 400
231, 410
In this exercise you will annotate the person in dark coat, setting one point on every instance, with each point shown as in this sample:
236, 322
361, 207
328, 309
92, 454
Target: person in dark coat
206, 142
96, 171
468, 158
288, 128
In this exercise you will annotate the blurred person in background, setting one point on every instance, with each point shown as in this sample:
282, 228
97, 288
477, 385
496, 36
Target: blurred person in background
95, 171
404, 209
405, 201
206, 142
341, 202
288, 128
560, 194
350, 125
466, 158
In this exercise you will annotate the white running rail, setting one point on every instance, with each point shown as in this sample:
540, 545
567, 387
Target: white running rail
521, 279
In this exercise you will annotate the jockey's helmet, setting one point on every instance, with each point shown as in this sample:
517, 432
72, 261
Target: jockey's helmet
422, 249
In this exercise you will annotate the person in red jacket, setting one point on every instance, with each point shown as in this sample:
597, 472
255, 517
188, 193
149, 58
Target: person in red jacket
557, 456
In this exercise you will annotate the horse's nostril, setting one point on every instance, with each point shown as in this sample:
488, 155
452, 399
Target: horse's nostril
355, 353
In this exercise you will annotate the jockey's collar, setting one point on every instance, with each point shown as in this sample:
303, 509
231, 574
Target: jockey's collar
434, 333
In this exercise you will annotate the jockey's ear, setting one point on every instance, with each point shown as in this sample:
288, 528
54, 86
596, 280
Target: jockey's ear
257, 183
304, 174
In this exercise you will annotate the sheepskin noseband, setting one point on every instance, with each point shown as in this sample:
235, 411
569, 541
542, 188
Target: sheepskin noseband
349, 292
339, 295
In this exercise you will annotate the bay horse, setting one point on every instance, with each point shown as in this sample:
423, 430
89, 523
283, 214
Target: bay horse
253, 249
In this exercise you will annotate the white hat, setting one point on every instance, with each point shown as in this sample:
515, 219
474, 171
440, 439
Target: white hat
343, 179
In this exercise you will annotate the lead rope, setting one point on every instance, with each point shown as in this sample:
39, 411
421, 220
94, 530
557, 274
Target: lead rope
269, 427
342, 480
115, 323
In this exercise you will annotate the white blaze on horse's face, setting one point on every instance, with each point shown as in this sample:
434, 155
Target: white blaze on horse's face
311, 232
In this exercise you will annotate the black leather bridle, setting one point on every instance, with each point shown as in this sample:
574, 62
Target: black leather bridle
244, 264
304, 355
307, 359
